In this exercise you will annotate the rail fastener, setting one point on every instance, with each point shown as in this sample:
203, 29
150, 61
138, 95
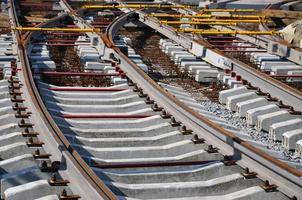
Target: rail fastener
197, 140
37, 155
53, 181
248, 174
174, 123
186, 131
27, 133
212, 149
32, 143
165, 115
156, 108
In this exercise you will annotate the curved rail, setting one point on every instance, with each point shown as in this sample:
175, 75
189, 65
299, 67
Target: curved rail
59, 137
285, 176
287, 94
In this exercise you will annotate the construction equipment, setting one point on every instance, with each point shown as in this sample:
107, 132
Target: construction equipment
226, 32
58, 29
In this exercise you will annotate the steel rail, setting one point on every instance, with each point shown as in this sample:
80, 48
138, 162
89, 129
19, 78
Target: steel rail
287, 94
288, 178
59, 137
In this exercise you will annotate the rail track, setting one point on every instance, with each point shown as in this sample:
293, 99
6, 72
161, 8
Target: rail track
134, 139
276, 88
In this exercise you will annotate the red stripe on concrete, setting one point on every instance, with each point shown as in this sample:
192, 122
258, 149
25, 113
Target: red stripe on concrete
99, 116
51, 73
88, 89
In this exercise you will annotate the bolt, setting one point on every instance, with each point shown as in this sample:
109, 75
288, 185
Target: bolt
37, 152
64, 193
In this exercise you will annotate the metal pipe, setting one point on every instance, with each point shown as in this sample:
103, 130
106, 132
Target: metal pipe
227, 10
198, 23
165, 15
218, 32
231, 20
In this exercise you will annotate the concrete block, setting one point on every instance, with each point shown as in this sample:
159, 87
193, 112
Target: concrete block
137, 60
297, 72
161, 41
185, 64
243, 107
185, 58
282, 70
39, 48
168, 43
299, 148
96, 66
276, 130
260, 59
174, 48
119, 80
85, 51
90, 57
252, 114
206, 76
226, 78
143, 66
108, 68
32, 190
223, 95
174, 53
220, 76
233, 100
232, 83
134, 56
266, 120
193, 69
39, 58
290, 138
44, 64
267, 65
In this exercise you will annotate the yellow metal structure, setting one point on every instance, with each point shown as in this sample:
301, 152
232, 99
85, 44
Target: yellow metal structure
227, 10
227, 32
210, 21
134, 6
228, 20
197, 23
164, 15
79, 30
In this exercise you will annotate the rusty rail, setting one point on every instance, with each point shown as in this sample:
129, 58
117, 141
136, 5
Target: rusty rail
81, 165
285, 172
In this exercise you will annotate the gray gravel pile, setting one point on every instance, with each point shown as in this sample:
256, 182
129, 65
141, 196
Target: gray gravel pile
233, 119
